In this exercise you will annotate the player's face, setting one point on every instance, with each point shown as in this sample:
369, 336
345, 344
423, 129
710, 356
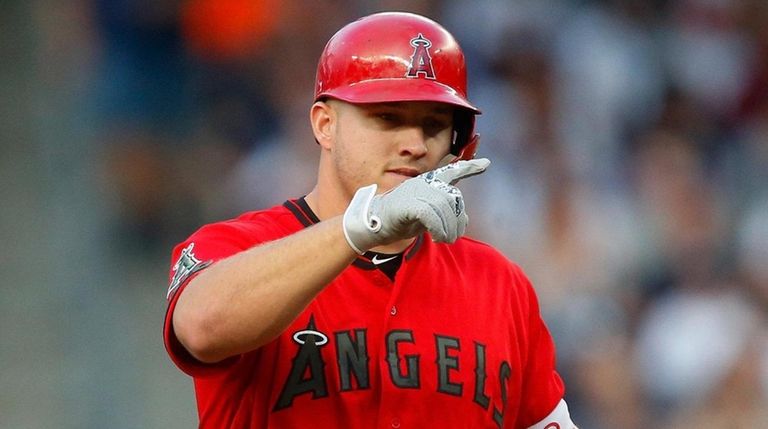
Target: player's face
387, 143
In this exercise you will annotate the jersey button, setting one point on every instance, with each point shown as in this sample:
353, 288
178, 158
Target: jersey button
393, 310
395, 423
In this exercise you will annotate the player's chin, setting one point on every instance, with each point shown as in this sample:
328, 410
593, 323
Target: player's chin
391, 180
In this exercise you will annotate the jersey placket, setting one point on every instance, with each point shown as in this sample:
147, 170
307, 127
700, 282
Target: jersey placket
395, 328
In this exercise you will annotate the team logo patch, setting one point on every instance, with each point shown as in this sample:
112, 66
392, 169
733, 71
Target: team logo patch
187, 265
310, 335
421, 60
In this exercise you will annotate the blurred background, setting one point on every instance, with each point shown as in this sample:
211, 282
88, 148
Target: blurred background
629, 141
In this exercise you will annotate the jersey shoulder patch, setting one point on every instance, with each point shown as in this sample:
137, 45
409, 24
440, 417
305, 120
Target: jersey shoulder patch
185, 266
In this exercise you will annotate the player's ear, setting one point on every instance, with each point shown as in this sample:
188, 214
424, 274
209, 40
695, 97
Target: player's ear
323, 116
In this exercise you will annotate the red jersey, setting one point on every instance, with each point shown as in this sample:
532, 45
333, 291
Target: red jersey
456, 340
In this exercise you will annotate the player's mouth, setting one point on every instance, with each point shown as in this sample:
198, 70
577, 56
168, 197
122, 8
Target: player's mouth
408, 172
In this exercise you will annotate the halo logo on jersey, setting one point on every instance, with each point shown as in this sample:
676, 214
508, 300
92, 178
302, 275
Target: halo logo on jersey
187, 265
421, 60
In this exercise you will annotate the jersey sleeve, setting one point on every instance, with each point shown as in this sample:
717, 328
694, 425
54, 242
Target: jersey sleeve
543, 389
188, 259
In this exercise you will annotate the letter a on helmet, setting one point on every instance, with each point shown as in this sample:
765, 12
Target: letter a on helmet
421, 61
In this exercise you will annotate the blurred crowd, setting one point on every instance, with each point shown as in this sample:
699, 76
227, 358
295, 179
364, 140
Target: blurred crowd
629, 175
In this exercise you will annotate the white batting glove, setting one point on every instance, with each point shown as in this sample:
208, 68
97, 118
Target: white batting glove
428, 202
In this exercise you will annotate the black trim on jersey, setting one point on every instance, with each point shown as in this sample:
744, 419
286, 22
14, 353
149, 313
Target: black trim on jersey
302, 203
410, 253
364, 262
301, 210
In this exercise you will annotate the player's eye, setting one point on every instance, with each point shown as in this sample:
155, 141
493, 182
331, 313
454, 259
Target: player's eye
387, 117
433, 126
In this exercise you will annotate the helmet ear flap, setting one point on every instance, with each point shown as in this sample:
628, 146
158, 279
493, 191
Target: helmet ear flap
465, 154
464, 134
470, 150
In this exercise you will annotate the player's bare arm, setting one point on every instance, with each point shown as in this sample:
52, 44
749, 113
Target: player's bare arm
246, 300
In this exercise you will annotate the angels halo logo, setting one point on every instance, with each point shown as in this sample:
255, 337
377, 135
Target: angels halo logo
421, 60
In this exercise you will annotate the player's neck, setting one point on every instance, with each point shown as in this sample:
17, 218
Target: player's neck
323, 206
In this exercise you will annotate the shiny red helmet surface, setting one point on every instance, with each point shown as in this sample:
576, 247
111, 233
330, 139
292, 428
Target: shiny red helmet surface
393, 56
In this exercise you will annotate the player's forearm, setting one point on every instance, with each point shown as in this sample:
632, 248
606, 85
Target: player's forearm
244, 301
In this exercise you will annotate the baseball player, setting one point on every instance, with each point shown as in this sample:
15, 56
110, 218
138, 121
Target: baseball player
360, 305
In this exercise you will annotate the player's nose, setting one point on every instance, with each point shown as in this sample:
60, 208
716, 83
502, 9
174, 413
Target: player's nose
412, 141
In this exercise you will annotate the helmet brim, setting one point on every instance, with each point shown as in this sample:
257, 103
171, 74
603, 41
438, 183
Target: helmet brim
397, 90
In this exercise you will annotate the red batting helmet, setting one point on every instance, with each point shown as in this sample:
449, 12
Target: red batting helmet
398, 56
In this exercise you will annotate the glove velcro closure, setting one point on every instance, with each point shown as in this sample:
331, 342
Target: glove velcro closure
357, 224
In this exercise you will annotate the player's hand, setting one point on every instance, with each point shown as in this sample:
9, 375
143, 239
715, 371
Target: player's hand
428, 202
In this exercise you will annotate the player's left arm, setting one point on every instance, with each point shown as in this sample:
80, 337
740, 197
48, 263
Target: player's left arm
543, 388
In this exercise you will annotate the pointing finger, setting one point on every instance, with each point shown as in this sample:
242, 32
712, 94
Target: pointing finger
456, 171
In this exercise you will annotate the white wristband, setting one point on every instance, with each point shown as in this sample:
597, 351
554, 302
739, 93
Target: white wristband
559, 418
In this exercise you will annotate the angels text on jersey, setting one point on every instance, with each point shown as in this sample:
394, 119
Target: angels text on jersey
308, 375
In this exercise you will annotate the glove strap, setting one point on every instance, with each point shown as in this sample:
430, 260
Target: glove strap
356, 223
